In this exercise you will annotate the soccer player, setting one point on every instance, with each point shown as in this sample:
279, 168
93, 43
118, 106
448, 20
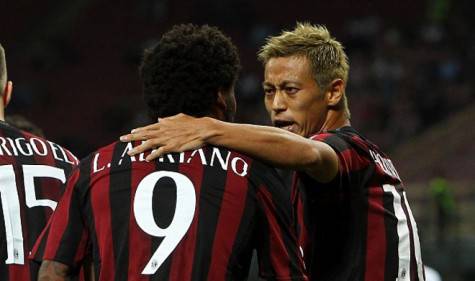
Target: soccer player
354, 218
32, 173
196, 215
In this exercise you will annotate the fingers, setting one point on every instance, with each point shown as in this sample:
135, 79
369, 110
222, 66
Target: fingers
140, 134
146, 145
156, 153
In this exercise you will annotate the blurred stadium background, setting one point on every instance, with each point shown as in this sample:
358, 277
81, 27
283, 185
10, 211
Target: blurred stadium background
411, 89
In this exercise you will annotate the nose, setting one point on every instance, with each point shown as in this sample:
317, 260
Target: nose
279, 103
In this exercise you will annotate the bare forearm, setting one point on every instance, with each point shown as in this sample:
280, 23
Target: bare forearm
272, 145
54, 271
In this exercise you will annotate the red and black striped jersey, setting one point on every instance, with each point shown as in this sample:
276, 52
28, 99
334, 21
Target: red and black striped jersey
196, 215
358, 226
32, 176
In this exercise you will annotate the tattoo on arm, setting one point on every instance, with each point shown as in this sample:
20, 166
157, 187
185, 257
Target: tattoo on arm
54, 271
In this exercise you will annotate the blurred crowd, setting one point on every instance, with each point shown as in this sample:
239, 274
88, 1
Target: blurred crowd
75, 69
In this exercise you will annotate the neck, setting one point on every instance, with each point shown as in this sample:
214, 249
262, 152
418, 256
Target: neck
2, 110
335, 119
217, 113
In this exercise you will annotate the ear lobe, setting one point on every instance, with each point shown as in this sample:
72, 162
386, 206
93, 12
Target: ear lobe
335, 92
7, 94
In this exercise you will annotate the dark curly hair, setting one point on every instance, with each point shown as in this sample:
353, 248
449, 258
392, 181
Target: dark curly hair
185, 70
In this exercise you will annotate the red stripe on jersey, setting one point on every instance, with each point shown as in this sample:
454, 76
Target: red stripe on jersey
34, 251
298, 216
352, 161
51, 188
61, 221
78, 258
101, 209
230, 215
19, 272
139, 241
376, 236
181, 267
277, 244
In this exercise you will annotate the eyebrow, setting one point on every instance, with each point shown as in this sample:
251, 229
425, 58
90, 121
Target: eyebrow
282, 84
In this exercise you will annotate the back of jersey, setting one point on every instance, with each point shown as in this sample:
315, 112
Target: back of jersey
32, 173
196, 215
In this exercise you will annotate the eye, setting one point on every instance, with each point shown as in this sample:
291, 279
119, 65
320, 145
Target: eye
291, 90
269, 91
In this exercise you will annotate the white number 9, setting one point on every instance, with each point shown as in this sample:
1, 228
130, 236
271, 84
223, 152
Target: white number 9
184, 212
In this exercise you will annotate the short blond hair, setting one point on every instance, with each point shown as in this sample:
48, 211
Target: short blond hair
3, 70
326, 55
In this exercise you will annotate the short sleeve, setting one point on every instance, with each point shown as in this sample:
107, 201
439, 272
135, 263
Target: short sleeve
65, 238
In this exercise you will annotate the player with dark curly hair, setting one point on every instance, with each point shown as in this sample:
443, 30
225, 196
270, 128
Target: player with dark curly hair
185, 71
196, 215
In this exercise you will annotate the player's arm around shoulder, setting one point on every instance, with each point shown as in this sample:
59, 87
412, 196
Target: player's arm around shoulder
272, 145
278, 147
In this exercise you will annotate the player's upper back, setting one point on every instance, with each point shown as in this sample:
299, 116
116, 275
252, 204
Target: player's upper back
32, 173
196, 215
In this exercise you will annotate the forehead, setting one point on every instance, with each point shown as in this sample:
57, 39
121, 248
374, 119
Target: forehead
292, 68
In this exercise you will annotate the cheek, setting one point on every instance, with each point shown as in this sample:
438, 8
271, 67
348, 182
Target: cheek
268, 104
305, 112
299, 110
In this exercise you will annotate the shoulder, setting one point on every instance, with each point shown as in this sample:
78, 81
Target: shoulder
18, 143
255, 171
352, 148
336, 139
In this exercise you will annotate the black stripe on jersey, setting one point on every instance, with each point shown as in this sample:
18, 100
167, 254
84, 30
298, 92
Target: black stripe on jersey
73, 231
85, 177
343, 140
212, 190
362, 221
392, 241
119, 197
163, 213
340, 243
240, 257
281, 197
3, 249
336, 142
261, 231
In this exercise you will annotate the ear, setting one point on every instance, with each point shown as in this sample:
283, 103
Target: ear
335, 92
221, 101
7, 93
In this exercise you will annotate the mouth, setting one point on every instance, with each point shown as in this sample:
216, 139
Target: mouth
286, 125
